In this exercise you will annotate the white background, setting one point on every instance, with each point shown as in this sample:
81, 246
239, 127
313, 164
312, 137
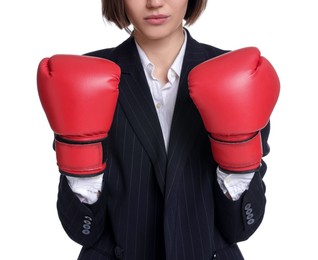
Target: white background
285, 31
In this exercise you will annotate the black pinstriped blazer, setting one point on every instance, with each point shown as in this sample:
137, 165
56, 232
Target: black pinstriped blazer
156, 205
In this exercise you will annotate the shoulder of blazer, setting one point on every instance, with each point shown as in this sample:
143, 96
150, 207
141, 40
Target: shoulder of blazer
120, 53
213, 51
103, 53
113, 53
209, 51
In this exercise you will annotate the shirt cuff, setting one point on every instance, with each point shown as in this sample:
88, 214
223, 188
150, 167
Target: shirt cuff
87, 189
234, 184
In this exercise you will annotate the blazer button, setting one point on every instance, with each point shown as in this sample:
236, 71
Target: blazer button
119, 252
87, 225
249, 214
248, 206
214, 256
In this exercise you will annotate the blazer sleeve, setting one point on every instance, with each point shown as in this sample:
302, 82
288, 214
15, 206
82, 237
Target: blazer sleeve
238, 220
82, 222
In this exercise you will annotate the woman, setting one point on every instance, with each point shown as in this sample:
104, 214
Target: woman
162, 195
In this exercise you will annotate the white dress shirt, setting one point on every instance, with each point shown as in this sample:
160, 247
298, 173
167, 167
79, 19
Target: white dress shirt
164, 98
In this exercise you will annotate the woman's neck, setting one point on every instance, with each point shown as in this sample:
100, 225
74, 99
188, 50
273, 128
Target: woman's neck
162, 52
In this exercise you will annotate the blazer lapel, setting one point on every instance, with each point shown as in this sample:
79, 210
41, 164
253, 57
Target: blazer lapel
185, 116
186, 125
136, 100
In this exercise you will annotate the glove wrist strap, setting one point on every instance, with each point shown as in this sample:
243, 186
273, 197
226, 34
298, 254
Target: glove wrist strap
238, 157
80, 159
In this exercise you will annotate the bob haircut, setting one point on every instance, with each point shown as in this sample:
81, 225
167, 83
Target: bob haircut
114, 11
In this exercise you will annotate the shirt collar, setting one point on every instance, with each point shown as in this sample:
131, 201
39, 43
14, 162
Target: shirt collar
176, 65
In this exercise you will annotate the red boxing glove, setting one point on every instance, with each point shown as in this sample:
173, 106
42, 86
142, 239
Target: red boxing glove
235, 94
79, 96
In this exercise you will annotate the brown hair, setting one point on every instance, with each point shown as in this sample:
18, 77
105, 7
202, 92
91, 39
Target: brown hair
114, 11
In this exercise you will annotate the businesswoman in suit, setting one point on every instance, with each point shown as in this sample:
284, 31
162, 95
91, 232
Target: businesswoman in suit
166, 189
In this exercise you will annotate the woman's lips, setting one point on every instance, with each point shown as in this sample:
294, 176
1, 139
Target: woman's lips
156, 19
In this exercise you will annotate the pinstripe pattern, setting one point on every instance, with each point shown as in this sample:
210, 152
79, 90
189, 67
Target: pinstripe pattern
157, 205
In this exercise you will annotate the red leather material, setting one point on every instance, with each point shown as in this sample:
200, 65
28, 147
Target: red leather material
79, 96
241, 156
235, 94
79, 159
